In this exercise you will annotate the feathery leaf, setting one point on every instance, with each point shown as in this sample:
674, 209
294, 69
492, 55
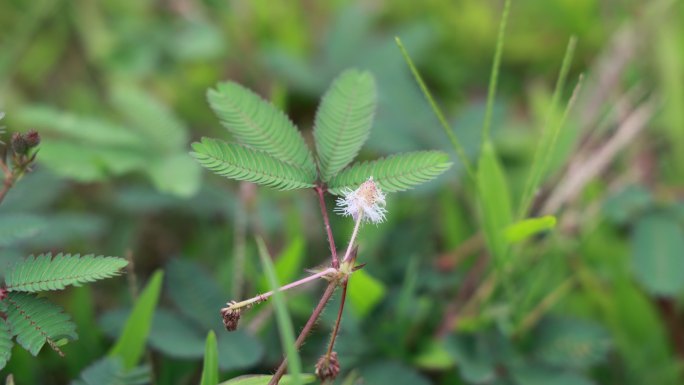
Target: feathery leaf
259, 124
344, 120
5, 343
236, 161
395, 173
46, 273
36, 321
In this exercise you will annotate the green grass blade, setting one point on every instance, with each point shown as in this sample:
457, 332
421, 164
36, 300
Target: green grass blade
491, 94
455, 143
131, 343
549, 136
210, 369
284, 322
494, 200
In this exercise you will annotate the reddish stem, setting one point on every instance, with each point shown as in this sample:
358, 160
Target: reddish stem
326, 221
336, 329
307, 329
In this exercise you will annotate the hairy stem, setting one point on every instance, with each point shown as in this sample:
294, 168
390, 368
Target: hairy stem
336, 329
328, 229
307, 329
264, 296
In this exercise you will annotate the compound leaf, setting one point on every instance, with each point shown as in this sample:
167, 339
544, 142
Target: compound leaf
46, 273
257, 123
344, 120
5, 343
236, 161
395, 173
35, 321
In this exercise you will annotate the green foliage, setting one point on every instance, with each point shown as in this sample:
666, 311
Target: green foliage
365, 293
288, 265
390, 372
263, 380
130, 346
260, 125
287, 338
494, 201
5, 343
179, 333
47, 273
18, 227
150, 140
210, 368
571, 343
546, 146
110, 371
35, 321
394, 173
344, 120
521, 230
240, 162
658, 254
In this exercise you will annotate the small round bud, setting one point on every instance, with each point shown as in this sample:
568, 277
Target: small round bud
231, 317
19, 145
327, 368
32, 138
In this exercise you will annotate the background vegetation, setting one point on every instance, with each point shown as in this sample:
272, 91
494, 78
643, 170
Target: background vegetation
117, 90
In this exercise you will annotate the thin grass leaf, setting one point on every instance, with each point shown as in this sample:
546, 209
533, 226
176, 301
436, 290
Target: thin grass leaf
494, 200
5, 343
493, 80
395, 173
239, 162
343, 121
549, 133
131, 343
455, 143
36, 321
258, 124
285, 328
210, 369
43, 272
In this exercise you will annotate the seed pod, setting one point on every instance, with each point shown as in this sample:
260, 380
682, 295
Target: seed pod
327, 368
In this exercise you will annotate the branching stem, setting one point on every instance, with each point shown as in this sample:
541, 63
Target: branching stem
307, 329
265, 296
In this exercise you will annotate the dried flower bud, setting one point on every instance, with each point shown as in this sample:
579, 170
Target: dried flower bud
19, 145
231, 317
32, 138
327, 368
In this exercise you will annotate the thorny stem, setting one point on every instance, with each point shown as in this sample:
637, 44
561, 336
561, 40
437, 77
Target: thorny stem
328, 230
307, 329
336, 329
264, 296
353, 237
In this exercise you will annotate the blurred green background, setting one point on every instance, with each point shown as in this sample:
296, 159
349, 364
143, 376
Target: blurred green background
117, 91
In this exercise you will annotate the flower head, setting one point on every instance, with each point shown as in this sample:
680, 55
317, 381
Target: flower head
367, 201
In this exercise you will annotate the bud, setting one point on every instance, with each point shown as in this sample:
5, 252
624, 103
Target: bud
231, 317
19, 144
32, 138
328, 367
